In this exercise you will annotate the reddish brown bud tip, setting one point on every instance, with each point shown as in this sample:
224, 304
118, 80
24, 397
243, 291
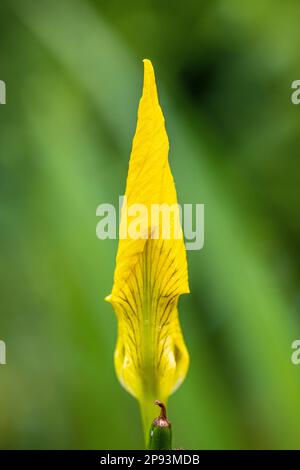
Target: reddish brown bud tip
161, 420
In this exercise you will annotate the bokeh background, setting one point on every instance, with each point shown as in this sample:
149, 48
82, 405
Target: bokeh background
74, 71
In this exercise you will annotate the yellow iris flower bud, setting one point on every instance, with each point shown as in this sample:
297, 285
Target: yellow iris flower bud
151, 358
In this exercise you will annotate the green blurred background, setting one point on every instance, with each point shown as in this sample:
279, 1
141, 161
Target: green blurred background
73, 71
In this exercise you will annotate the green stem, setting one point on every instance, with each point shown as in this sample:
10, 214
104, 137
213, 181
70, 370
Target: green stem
160, 437
148, 414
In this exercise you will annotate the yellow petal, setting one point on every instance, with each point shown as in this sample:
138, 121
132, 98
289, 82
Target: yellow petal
151, 359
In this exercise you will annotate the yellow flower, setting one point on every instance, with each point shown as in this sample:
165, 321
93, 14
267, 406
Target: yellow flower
151, 359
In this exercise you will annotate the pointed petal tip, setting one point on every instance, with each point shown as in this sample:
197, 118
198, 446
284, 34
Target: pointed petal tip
148, 68
149, 76
108, 298
147, 63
